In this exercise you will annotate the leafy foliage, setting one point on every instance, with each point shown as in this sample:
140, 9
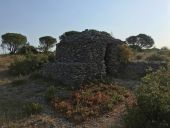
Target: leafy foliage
46, 43
153, 103
13, 41
27, 49
140, 41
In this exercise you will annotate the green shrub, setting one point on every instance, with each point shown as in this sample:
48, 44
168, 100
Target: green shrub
24, 65
50, 93
156, 57
27, 49
153, 103
32, 108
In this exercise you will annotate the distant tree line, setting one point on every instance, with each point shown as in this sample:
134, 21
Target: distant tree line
17, 43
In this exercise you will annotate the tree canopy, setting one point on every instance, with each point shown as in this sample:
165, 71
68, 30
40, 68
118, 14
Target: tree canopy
13, 41
46, 43
140, 41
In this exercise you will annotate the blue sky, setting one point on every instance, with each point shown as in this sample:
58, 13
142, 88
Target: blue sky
122, 18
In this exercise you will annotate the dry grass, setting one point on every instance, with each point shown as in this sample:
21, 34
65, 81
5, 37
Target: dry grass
147, 53
5, 61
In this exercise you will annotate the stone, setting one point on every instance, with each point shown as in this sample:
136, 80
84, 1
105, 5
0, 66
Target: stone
83, 57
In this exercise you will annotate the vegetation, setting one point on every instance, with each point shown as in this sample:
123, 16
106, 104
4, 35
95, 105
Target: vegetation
24, 65
32, 108
50, 93
164, 52
135, 48
140, 41
89, 101
125, 54
46, 43
139, 57
156, 57
152, 109
165, 48
27, 49
13, 41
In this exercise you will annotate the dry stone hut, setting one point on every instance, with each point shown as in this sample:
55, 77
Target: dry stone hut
84, 56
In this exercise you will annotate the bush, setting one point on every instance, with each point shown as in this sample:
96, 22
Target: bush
32, 108
27, 49
125, 54
50, 93
153, 103
24, 65
90, 101
156, 57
